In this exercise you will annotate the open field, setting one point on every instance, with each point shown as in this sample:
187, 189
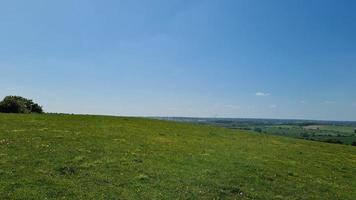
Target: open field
343, 129
97, 157
340, 132
324, 133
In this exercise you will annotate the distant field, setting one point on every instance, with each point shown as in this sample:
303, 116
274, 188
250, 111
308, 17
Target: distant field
97, 157
344, 129
337, 132
327, 133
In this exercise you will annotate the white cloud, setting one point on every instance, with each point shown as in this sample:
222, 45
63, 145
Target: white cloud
272, 106
328, 102
262, 94
250, 107
303, 102
236, 107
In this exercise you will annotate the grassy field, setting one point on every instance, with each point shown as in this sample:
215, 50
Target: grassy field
350, 130
337, 132
96, 157
341, 134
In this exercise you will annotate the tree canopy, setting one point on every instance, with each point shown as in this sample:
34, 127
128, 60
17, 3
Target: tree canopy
17, 104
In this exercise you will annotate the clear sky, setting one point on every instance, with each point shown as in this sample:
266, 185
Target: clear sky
200, 58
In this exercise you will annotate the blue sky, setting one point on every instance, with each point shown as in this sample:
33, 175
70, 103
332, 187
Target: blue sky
200, 58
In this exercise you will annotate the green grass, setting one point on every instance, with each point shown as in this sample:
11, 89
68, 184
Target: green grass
348, 130
96, 157
343, 134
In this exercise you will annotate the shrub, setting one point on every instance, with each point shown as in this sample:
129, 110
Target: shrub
334, 141
17, 104
36, 108
353, 143
259, 130
304, 135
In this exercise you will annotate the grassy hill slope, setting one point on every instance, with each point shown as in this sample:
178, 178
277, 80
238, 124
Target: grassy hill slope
96, 157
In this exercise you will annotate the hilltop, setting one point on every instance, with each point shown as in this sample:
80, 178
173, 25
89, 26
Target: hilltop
101, 157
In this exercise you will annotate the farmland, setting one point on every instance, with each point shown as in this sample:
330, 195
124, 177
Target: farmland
323, 131
99, 157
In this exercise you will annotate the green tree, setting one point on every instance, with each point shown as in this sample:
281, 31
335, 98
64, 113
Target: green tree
17, 104
36, 108
305, 135
259, 130
334, 141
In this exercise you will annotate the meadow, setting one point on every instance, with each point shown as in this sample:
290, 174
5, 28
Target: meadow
339, 132
324, 133
100, 157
